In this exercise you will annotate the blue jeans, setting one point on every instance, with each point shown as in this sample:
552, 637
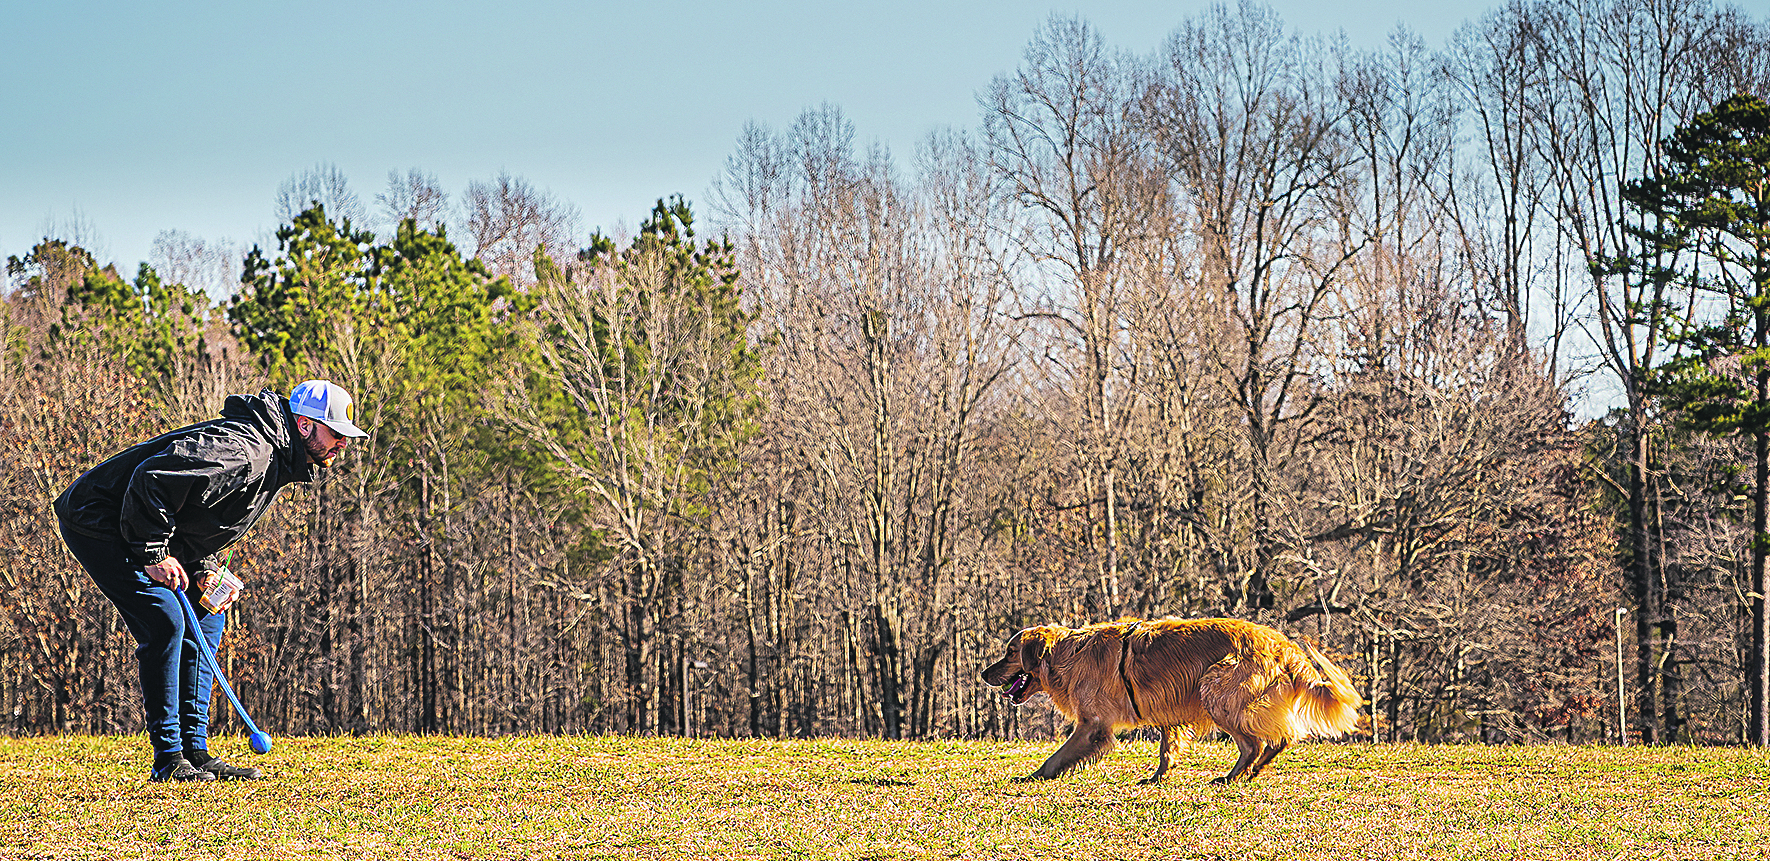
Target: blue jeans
176, 683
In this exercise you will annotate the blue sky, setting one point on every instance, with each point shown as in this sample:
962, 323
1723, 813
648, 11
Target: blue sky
140, 117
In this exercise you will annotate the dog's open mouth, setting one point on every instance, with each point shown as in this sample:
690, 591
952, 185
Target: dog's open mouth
1016, 684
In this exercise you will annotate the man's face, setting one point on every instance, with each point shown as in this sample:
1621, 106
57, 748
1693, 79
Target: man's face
323, 446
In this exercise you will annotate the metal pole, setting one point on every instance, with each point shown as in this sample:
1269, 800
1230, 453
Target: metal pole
1622, 713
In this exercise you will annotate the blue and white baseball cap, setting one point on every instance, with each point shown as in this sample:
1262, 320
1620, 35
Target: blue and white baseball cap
325, 402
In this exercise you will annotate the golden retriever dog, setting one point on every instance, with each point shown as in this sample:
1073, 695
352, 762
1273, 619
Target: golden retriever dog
1243, 678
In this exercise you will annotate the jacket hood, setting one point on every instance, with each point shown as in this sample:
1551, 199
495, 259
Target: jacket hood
269, 413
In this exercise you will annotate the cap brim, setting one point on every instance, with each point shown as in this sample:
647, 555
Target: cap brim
344, 428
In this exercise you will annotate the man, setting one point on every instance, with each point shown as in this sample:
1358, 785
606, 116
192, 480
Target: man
152, 519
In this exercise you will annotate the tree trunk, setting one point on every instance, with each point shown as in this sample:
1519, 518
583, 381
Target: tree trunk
1757, 674
1671, 672
752, 655
1640, 575
887, 664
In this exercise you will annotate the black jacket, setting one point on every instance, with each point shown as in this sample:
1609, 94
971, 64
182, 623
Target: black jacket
194, 491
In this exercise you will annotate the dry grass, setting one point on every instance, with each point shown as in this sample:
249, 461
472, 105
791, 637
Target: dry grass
424, 798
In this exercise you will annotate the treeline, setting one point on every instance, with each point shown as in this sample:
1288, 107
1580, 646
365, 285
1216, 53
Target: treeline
1257, 325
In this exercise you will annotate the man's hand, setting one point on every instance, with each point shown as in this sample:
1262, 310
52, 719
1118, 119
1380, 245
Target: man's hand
229, 600
169, 572
207, 579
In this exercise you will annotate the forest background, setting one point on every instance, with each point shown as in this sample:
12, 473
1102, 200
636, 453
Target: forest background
1256, 325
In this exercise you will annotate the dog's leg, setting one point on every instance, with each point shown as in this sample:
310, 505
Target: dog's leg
1272, 749
1161, 766
1089, 741
1250, 748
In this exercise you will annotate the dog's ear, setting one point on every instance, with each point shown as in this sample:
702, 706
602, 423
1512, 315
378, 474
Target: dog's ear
1032, 649
1036, 645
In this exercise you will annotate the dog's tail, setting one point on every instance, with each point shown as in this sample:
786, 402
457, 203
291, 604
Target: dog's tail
1328, 707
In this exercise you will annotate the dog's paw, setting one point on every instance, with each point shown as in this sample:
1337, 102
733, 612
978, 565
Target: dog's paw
1220, 781
1149, 781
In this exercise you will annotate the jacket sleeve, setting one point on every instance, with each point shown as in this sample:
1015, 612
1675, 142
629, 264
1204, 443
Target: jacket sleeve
191, 472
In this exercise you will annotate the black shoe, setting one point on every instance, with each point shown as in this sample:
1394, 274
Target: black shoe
224, 771
179, 770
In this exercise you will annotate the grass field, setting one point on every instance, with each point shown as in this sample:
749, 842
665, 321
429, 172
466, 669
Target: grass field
653, 798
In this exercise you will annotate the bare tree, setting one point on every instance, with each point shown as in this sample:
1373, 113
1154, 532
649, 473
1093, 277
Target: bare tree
69, 664
416, 196
212, 267
507, 219
1251, 127
885, 296
1402, 124
1498, 67
1456, 521
75, 227
323, 184
1062, 138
